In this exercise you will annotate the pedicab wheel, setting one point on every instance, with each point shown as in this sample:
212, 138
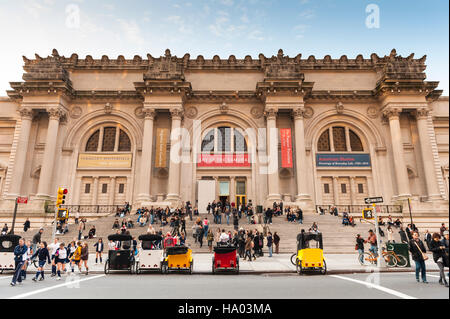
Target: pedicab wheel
402, 261
1, 271
213, 269
107, 267
293, 259
298, 267
191, 266
323, 271
164, 268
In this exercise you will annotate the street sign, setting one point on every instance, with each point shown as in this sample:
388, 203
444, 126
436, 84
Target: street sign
22, 200
367, 213
373, 200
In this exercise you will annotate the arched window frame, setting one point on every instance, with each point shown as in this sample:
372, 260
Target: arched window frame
101, 129
215, 148
347, 129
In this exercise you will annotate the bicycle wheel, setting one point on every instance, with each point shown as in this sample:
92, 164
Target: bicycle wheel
391, 261
402, 261
369, 258
293, 259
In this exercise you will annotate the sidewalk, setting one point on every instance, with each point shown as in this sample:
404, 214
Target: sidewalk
336, 264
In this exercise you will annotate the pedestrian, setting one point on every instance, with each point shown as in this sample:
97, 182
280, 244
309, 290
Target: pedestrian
77, 217
300, 215
372, 240
390, 234
26, 225
98, 250
37, 239
427, 238
20, 252
269, 243
442, 229
200, 234
84, 257
360, 248
205, 226
27, 259
403, 237
80, 230
248, 248
235, 221
418, 251
43, 257
52, 250
440, 256
60, 259
276, 242
210, 239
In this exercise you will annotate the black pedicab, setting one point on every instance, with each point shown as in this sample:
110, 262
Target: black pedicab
7, 245
122, 258
151, 253
225, 258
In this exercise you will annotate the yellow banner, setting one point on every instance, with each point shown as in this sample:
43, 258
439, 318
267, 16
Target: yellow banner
161, 146
104, 160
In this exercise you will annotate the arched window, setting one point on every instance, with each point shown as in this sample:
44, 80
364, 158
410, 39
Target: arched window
224, 139
109, 139
339, 139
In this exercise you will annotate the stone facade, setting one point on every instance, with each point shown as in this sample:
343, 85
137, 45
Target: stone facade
92, 125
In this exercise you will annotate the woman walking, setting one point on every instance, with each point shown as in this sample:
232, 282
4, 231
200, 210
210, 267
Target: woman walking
269, 243
210, 239
440, 257
98, 250
84, 257
417, 249
43, 257
276, 242
360, 248
60, 260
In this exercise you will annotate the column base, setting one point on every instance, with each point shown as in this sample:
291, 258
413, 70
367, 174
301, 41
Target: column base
174, 199
143, 198
302, 197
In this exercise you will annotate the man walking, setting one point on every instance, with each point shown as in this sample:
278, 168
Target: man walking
20, 255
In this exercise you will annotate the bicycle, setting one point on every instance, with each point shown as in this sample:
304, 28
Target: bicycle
392, 259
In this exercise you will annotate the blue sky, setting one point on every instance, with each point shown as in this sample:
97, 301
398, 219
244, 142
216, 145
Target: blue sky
222, 27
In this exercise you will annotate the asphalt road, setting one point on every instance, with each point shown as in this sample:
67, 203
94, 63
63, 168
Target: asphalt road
180, 286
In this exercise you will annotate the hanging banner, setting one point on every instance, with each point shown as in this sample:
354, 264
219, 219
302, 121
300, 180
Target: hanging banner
343, 160
86, 160
161, 147
223, 160
286, 147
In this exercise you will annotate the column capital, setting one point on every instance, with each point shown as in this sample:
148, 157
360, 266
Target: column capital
298, 113
55, 114
26, 113
421, 113
392, 113
149, 114
176, 114
270, 114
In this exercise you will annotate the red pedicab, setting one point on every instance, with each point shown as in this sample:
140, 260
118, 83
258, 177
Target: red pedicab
225, 258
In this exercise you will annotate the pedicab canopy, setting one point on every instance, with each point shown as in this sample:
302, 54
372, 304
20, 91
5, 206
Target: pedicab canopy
8, 243
148, 240
177, 250
224, 249
304, 238
120, 237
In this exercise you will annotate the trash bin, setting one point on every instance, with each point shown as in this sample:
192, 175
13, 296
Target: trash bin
259, 209
399, 249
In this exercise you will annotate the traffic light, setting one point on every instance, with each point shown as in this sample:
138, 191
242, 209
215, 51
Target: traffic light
61, 197
367, 213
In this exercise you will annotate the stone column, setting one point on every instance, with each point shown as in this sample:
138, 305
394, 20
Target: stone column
175, 158
112, 190
273, 183
300, 156
401, 172
146, 159
21, 152
48, 161
232, 188
335, 190
352, 190
427, 154
95, 191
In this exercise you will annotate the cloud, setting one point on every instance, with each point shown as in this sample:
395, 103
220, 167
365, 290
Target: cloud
256, 35
181, 25
227, 2
132, 31
307, 14
300, 30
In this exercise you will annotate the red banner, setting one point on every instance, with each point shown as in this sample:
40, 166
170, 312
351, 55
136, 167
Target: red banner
22, 200
223, 160
286, 147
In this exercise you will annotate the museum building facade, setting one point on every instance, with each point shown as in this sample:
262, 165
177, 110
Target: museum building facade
345, 129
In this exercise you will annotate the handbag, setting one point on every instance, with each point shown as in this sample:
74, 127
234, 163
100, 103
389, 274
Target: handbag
425, 257
356, 246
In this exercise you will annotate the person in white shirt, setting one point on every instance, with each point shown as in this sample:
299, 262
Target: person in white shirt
60, 259
224, 237
52, 249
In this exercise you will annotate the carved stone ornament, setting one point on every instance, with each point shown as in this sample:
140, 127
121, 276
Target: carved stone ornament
55, 114
308, 112
176, 113
298, 113
372, 112
191, 112
167, 67
224, 108
339, 107
257, 112
26, 113
270, 114
108, 108
422, 113
149, 113
138, 112
392, 113
76, 112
